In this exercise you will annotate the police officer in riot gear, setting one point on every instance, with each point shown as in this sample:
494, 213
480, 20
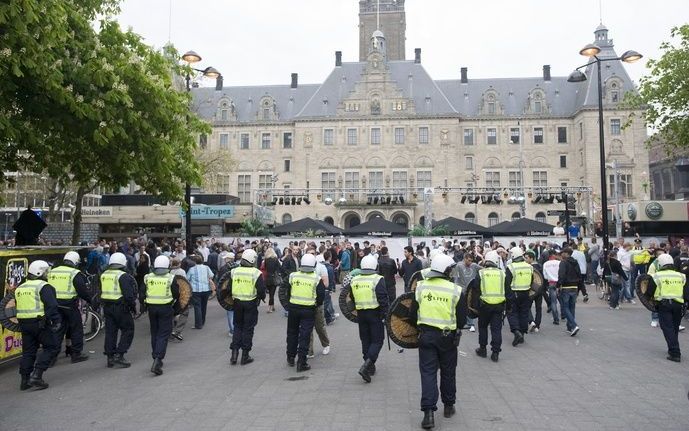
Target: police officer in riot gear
440, 311
670, 290
247, 289
492, 290
305, 293
370, 297
118, 295
70, 284
161, 292
519, 276
39, 321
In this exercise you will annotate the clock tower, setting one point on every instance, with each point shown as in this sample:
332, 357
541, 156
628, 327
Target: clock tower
390, 19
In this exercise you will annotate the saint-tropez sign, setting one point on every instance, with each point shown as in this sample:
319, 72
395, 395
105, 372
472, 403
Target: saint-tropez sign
209, 212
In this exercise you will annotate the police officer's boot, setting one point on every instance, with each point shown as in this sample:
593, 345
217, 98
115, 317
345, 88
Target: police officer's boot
364, 371
449, 410
481, 351
68, 351
111, 361
290, 360
428, 421
235, 355
157, 367
24, 385
302, 365
372, 369
78, 357
120, 362
494, 356
246, 359
518, 338
36, 380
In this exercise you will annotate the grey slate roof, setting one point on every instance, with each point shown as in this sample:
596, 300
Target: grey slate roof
439, 98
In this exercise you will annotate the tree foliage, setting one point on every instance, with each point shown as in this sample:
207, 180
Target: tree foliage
665, 92
254, 227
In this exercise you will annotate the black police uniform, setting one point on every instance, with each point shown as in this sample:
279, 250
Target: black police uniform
160, 317
669, 317
489, 316
245, 320
372, 329
519, 304
72, 325
39, 332
120, 321
438, 350
300, 322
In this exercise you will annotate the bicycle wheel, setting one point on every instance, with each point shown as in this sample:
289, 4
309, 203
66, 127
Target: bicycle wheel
92, 325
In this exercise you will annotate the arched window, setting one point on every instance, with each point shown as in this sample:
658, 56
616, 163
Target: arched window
492, 219
470, 217
401, 219
286, 218
422, 221
329, 220
516, 216
540, 216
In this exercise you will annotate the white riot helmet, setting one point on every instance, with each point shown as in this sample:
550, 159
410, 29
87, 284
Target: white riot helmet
161, 262
492, 257
118, 259
72, 257
308, 263
230, 257
441, 263
434, 253
369, 264
249, 256
38, 268
665, 259
516, 252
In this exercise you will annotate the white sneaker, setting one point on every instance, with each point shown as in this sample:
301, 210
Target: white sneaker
532, 325
326, 350
654, 323
574, 332
472, 328
309, 356
536, 330
633, 302
682, 328
336, 315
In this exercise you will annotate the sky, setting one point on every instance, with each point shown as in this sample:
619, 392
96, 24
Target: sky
261, 42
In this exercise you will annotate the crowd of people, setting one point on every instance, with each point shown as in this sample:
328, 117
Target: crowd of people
458, 285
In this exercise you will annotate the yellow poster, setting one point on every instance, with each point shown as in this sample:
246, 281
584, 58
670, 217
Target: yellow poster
11, 344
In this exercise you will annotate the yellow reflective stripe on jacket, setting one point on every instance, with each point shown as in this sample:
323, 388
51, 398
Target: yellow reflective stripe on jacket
158, 288
522, 273
492, 285
244, 283
28, 299
110, 284
62, 279
669, 285
303, 291
437, 299
364, 291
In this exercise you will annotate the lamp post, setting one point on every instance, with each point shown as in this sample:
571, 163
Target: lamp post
191, 57
592, 51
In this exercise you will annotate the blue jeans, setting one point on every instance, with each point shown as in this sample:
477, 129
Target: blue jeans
626, 287
230, 320
328, 309
552, 292
654, 316
569, 302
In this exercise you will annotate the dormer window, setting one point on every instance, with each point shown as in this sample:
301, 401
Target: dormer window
490, 104
268, 109
226, 110
537, 103
613, 89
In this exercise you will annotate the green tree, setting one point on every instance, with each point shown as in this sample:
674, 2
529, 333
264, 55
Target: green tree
254, 227
664, 92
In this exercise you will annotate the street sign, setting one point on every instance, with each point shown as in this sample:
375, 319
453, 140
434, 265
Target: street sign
558, 213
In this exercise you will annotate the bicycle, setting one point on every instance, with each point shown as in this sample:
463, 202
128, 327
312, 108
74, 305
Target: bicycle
91, 321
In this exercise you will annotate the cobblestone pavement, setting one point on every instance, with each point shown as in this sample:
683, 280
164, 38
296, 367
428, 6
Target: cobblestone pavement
612, 376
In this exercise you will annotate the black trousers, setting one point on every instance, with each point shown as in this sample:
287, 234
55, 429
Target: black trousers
437, 351
36, 334
538, 303
392, 292
518, 317
300, 323
200, 303
72, 325
490, 316
245, 320
371, 333
118, 321
669, 317
161, 317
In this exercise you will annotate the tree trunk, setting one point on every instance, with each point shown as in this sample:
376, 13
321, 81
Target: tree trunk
76, 218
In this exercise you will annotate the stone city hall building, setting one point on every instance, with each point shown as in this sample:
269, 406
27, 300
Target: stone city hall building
377, 132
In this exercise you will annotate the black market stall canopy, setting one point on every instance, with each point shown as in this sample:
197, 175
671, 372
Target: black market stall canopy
460, 227
522, 226
307, 225
377, 227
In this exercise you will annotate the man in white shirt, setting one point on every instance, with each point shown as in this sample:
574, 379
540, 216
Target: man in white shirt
551, 267
625, 257
580, 257
322, 272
